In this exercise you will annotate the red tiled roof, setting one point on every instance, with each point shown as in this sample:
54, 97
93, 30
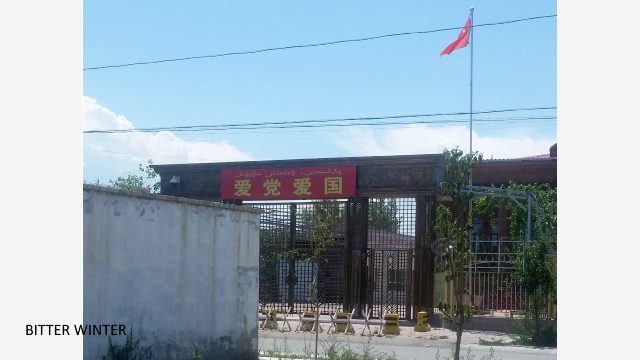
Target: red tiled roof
552, 149
541, 156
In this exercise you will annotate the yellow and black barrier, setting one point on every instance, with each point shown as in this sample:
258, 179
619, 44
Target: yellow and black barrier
421, 322
391, 324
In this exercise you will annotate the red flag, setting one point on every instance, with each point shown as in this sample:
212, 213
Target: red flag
461, 41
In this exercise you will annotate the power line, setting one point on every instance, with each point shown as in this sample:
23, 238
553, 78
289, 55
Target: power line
315, 126
304, 123
254, 127
394, 125
386, 127
175, 157
212, 129
530, 122
358, 124
262, 133
336, 42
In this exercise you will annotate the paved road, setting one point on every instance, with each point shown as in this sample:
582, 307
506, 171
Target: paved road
297, 343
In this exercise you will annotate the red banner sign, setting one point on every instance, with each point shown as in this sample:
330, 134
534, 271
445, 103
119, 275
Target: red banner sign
317, 182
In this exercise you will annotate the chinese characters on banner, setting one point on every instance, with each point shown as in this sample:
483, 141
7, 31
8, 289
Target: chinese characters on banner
318, 182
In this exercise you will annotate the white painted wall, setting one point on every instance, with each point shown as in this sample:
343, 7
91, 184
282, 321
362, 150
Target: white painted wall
178, 271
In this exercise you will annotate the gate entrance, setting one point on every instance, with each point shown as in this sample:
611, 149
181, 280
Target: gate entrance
382, 210
385, 265
389, 290
285, 244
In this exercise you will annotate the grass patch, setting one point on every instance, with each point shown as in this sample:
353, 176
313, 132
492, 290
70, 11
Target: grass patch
494, 342
438, 337
331, 350
468, 356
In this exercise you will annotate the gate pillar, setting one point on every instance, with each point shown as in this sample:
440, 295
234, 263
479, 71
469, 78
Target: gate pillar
431, 239
355, 275
423, 273
291, 277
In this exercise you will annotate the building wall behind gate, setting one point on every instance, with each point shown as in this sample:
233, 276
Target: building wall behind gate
178, 272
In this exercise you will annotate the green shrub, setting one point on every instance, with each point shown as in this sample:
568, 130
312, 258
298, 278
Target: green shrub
130, 350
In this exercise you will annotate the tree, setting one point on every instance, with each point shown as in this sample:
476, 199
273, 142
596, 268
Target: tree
536, 264
318, 221
536, 261
383, 215
331, 209
269, 264
453, 228
321, 240
147, 181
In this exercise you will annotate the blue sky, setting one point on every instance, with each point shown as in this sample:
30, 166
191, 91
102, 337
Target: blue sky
514, 67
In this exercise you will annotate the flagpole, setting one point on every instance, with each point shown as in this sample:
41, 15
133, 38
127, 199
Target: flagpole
471, 90
471, 111
472, 290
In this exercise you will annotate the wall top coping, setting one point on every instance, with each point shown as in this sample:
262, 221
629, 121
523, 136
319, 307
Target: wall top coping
145, 195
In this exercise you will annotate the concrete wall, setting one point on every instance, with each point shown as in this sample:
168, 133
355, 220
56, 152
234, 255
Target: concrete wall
179, 272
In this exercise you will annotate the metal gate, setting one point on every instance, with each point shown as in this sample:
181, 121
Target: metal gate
390, 244
389, 290
285, 245
376, 275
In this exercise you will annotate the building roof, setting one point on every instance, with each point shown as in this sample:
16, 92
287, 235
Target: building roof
525, 170
553, 153
541, 156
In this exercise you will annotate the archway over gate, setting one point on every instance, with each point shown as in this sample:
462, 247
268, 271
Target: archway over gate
383, 225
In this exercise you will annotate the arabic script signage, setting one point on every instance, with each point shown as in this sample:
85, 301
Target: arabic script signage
317, 182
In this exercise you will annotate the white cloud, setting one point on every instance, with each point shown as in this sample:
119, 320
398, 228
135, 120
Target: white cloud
107, 156
423, 139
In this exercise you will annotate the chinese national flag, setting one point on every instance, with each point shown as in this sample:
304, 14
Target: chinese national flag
461, 41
